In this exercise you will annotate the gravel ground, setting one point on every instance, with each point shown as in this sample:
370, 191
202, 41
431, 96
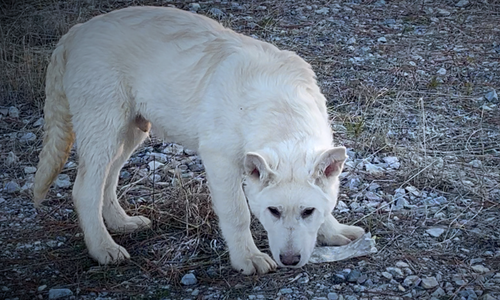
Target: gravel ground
412, 89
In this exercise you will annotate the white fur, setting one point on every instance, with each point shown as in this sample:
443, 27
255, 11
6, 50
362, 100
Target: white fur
254, 113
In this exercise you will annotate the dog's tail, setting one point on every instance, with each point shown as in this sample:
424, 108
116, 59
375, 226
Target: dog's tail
59, 136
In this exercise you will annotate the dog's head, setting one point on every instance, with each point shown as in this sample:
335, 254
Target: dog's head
293, 201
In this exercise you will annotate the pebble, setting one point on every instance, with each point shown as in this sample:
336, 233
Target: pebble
125, 174
480, 269
462, 3
38, 122
2, 200
13, 112
63, 181
216, 12
11, 159
387, 275
11, 187
322, 11
412, 280
42, 287
439, 292
429, 282
333, 296
441, 71
373, 169
350, 42
194, 6
353, 276
154, 165
382, 39
189, 279
402, 264
29, 170
286, 291
59, 293
396, 272
491, 96
174, 149
342, 207
443, 12
372, 196
476, 163
27, 137
435, 232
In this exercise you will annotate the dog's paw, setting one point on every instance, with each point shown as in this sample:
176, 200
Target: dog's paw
344, 235
109, 254
252, 263
129, 224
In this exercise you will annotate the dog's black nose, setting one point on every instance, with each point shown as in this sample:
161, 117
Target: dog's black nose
290, 259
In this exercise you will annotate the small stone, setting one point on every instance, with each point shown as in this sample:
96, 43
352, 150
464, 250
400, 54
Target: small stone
439, 292
441, 72
125, 174
476, 163
382, 39
402, 264
435, 232
29, 170
27, 137
189, 152
154, 165
491, 96
350, 42
380, 3
59, 293
196, 292
41, 288
373, 169
333, 296
2, 200
462, 3
372, 196
13, 112
63, 181
429, 282
174, 149
194, 6
38, 122
11, 187
286, 291
342, 207
412, 280
480, 269
354, 183
11, 159
443, 12
413, 190
154, 178
353, 276
387, 275
322, 11
488, 297
189, 279
396, 272
216, 12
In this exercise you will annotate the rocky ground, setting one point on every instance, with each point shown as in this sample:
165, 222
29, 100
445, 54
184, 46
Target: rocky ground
412, 89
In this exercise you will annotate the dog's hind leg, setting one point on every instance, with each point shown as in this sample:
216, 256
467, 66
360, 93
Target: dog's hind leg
332, 233
97, 152
115, 217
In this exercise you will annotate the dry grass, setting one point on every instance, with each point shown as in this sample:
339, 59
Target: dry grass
436, 126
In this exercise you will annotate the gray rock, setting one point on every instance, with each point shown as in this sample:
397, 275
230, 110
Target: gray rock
154, 165
396, 272
462, 3
429, 282
189, 152
387, 275
189, 279
29, 170
2, 200
13, 112
439, 292
154, 178
382, 39
443, 12
322, 11
435, 232
402, 264
380, 3
459, 280
491, 96
350, 297
125, 174
175, 149
62, 181
350, 42
354, 183
286, 291
488, 297
480, 269
11, 159
374, 169
38, 122
27, 137
42, 287
59, 293
372, 196
353, 276
11, 187
194, 6
476, 163
216, 12
412, 280
197, 167
333, 296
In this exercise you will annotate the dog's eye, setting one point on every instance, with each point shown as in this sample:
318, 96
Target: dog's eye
274, 211
307, 212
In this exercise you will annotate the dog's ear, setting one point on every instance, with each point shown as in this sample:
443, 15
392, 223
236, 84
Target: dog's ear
330, 163
257, 168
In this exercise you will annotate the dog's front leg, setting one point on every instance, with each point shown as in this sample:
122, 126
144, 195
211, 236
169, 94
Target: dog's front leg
332, 233
224, 180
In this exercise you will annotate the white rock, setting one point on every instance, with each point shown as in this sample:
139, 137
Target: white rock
372, 196
62, 181
476, 163
154, 178
351, 41
435, 232
373, 169
161, 157
413, 190
429, 282
29, 170
382, 39
154, 165
27, 137
441, 72
462, 3
174, 149
387, 275
342, 206
194, 6
402, 264
480, 269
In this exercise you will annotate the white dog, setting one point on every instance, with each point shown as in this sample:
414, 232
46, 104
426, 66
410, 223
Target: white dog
254, 114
